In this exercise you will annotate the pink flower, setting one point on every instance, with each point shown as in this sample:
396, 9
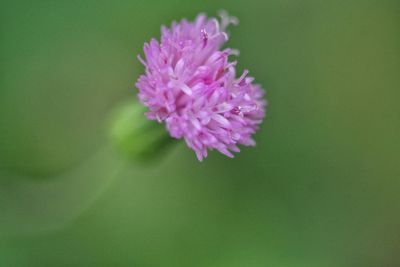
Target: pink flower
191, 86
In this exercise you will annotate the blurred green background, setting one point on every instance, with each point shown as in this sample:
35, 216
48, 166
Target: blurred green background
320, 189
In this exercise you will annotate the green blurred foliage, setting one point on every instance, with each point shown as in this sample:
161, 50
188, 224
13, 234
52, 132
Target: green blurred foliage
320, 189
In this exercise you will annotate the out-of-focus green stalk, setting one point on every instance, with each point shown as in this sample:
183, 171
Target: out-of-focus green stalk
135, 136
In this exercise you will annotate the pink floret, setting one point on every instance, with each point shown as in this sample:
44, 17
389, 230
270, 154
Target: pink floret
191, 86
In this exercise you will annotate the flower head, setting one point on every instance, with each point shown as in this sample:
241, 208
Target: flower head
191, 86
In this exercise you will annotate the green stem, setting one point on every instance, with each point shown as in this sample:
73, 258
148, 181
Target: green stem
135, 136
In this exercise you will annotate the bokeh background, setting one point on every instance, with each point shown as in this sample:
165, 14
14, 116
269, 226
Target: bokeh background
320, 189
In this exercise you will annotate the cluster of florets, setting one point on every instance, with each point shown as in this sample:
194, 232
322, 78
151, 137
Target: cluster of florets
191, 86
